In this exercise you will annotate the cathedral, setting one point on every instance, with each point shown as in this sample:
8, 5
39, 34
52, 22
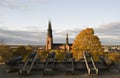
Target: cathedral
56, 46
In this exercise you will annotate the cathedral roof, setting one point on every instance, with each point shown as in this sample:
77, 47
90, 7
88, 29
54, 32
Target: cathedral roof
60, 44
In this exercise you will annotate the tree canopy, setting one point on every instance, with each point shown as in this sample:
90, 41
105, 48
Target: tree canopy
5, 53
86, 40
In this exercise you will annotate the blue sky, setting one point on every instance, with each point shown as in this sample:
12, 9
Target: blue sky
30, 17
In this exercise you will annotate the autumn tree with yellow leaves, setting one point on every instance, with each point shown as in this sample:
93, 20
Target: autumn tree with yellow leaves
86, 40
114, 56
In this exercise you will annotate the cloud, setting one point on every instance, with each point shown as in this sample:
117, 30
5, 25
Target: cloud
10, 3
109, 33
19, 4
34, 35
22, 37
71, 32
60, 35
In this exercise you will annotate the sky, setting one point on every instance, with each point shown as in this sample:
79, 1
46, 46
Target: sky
26, 21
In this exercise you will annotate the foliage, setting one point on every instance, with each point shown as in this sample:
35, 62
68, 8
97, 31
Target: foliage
5, 53
43, 55
22, 51
114, 56
60, 54
86, 41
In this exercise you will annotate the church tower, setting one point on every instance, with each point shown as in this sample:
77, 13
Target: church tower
67, 43
49, 39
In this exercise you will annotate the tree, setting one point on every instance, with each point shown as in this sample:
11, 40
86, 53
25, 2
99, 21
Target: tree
114, 56
43, 55
5, 53
60, 55
86, 41
21, 51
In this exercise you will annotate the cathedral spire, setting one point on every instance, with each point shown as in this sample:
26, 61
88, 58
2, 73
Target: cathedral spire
49, 34
67, 41
49, 37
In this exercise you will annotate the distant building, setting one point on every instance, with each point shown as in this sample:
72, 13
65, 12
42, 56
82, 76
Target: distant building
59, 46
111, 48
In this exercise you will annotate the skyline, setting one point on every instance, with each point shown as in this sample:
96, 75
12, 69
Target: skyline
26, 21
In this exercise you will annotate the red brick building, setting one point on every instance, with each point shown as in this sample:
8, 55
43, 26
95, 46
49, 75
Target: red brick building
57, 46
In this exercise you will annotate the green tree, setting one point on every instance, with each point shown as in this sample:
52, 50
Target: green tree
86, 41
